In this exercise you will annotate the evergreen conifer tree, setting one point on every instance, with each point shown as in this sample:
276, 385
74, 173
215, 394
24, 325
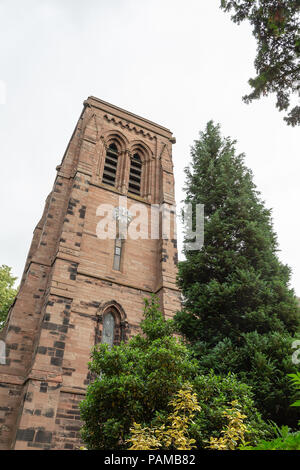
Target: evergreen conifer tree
276, 28
239, 314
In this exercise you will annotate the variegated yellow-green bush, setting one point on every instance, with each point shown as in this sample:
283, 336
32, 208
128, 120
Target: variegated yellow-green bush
174, 433
234, 433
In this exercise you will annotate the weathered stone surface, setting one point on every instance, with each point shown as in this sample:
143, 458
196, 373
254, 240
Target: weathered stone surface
69, 283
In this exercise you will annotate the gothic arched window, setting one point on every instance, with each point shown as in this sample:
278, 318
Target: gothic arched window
110, 325
135, 175
108, 332
110, 165
118, 254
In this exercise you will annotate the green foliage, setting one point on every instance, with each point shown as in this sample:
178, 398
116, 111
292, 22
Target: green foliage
239, 313
136, 382
295, 379
285, 439
174, 432
290, 441
262, 361
214, 394
7, 292
276, 27
234, 434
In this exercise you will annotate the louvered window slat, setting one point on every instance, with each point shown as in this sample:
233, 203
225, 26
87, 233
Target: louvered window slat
110, 166
135, 175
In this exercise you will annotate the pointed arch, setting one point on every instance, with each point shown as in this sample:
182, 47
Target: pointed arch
118, 138
111, 324
113, 168
142, 147
139, 173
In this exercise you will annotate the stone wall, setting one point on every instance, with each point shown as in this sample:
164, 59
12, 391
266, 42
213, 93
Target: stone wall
69, 281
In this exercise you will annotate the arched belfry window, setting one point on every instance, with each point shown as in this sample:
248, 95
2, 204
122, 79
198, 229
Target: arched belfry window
135, 175
110, 165
108, 332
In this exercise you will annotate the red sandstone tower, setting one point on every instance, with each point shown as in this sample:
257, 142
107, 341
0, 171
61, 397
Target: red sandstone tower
78, 289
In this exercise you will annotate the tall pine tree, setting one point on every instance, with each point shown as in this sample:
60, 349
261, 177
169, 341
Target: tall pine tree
239, 314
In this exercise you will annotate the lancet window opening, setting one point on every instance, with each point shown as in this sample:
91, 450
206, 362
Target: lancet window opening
111, 165
117, 254
135, 175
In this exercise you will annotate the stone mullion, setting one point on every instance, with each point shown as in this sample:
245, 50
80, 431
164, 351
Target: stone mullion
144, 178
149, 182
149, 178
120, 171
127, 161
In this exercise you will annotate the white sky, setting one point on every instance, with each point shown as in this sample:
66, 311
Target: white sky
177, 63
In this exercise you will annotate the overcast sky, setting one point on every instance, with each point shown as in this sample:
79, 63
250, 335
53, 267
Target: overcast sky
177, 63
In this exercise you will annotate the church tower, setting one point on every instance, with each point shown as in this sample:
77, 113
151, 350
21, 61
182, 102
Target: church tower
80, 288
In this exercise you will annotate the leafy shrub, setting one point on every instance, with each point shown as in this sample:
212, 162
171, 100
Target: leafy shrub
285, 439
136, 381
289, 441
173, 433
214, 394
234, 433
